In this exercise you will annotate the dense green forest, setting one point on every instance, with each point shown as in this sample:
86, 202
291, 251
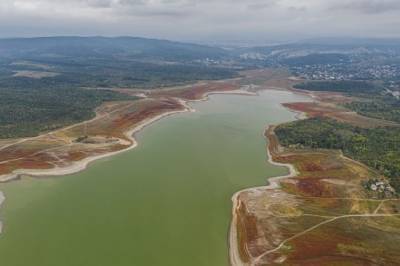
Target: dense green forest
74, 73
381, 107
346, 86
27, 112
378, 148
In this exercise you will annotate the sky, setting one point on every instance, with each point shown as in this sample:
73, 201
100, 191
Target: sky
202, 20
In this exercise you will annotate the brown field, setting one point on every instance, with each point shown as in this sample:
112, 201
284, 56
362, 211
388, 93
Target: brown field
331, 110
322, 216
196, 91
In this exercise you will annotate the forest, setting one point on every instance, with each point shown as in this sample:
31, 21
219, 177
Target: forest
381, 107
28, 112
378, 148
347, 86
78, 73
44, 81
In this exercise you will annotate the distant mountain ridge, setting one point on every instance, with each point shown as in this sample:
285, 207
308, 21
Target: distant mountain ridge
108, 46
139, 48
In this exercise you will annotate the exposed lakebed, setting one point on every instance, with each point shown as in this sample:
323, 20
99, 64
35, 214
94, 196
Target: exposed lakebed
166, 202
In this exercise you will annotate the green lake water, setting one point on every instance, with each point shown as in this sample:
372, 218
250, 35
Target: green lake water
167, 202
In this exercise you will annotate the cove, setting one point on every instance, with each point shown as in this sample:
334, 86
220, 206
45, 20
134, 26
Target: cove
166, 202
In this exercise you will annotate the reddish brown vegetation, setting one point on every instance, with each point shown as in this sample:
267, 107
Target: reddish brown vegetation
327, 186
197, 91
330, 110
311, 167
60, 148
152, 108
313, 187
246, 230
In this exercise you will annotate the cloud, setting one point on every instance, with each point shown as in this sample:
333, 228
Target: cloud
99, 3
259, 5
369, 6
202, 19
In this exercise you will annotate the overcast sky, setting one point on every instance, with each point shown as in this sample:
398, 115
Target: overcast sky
208, 20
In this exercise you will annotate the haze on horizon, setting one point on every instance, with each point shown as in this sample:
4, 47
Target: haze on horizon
202, 20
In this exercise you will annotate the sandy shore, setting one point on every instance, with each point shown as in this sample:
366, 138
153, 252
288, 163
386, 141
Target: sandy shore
274, 183
2, 198
232, 92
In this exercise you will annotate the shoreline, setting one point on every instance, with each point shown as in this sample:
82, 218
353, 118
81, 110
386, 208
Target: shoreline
81, 165
274, 183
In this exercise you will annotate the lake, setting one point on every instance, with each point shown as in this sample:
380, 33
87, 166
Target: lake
167, 202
